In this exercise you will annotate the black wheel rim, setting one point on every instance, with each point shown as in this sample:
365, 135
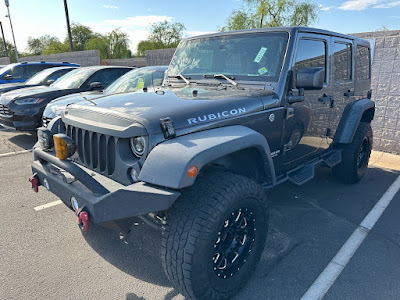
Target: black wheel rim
234, 243
363, 154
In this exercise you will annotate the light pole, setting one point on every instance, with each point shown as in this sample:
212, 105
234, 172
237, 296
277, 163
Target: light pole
4, 40
12, 30
71, 48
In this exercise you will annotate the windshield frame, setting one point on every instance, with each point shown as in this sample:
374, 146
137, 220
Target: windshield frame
252, 79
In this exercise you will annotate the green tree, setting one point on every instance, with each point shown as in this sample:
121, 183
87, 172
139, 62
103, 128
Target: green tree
162, 35
271, 13
112, 45
80, 35
36, 45
55, 47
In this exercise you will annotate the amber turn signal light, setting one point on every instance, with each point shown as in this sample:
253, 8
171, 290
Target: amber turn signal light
192, 171
64, 146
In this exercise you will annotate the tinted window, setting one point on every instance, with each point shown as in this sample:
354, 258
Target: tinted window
30, 70
59, 73
74, 79
311, 53
342, 61
362, 63
17, 72
105, 77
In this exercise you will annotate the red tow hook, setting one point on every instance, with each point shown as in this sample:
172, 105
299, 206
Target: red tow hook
83, 218
34, 182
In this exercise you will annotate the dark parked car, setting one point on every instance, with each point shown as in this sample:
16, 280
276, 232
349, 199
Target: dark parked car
20, 72
45, 77
23, 109
132, 81
240, 113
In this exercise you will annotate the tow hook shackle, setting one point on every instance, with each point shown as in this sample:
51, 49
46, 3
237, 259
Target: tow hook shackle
35, 183
83, 218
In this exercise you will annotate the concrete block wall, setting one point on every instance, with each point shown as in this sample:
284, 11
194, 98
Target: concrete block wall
4, 60
385, 85
83, 58
129, 62
159, 57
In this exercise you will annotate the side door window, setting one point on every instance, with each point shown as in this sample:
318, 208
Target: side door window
306, 122
362, 83
17, 73
30, 70
106, 76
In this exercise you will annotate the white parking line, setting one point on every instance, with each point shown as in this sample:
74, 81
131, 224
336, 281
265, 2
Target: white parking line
15, 153
54, 203
326, 279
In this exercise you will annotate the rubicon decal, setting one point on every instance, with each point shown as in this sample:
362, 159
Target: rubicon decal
215, 116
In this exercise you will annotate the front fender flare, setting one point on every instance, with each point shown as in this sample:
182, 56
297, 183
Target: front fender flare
167, 163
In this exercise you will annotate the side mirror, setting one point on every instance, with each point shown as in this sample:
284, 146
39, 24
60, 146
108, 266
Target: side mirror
310, 78
8, 77
50, 81
95, 86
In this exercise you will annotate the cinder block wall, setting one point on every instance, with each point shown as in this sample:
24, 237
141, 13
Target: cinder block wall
4, 60
160, 57
385, 85
84, 58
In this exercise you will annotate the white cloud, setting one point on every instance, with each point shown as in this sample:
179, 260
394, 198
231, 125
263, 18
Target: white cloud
388, 4
138, 21
325, 8
110, 6
358, 4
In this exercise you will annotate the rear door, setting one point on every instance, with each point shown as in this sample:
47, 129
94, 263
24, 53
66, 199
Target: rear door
342, 80
307, 122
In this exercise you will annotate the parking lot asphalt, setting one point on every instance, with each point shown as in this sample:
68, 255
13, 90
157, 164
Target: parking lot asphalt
43, 254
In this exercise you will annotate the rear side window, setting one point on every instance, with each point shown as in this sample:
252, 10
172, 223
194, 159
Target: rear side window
342, 58
363, 71
311, 53
30, 70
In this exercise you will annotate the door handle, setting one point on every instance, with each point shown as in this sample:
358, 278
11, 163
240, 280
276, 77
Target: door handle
324, 99
349, 93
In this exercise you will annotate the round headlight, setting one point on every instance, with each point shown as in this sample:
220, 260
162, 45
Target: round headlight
138, 145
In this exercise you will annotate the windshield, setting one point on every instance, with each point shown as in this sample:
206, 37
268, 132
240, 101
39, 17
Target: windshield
5, 69
73, 79
39, 77
136, 80
255, 56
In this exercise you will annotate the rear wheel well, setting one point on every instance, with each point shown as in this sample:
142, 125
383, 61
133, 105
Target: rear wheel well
248, 162
368, 115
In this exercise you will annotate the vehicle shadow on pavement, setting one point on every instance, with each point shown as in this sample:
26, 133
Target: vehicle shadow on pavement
25, 140
137, 253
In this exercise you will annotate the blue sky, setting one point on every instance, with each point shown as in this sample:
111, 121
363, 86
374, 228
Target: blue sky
35, 18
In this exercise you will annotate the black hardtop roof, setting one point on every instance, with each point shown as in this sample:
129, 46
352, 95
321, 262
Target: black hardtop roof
291, 30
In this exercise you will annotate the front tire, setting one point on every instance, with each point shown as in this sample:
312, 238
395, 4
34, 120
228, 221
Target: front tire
215, 234
355, 156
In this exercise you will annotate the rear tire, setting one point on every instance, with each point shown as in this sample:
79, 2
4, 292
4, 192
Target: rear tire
355, 156
215, 234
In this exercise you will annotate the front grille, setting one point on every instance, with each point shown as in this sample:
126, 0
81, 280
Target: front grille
4, 110
95, 151
46, 121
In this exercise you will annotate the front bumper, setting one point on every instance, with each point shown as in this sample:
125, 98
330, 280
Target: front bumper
104, 199
20, 122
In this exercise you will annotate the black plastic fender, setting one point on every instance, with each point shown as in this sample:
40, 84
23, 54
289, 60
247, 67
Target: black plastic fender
349, 124
167, 164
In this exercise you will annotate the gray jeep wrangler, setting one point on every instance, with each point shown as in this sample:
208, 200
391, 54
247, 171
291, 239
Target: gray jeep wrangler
239, 113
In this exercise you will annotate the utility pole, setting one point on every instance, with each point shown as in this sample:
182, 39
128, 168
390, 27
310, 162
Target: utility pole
12, 30
71, 48
4, 39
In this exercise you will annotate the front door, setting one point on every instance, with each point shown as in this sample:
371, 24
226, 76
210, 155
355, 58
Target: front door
307, 122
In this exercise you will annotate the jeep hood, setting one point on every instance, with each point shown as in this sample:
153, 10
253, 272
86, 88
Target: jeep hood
181, 105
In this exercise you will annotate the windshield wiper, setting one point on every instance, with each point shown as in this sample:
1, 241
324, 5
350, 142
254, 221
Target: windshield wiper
231, 81
89, 100
181, 77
